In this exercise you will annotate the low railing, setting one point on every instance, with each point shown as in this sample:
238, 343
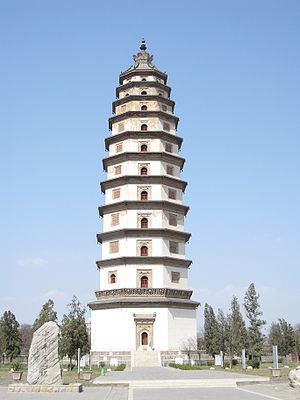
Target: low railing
144, 292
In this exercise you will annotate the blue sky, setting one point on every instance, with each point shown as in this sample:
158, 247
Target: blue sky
234, 69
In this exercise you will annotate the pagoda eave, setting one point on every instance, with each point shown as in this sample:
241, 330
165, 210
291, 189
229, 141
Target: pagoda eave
143, 156
142, 84
150, 260
143, 233
142, 114
142, 72
141, 135
143, 205
141, 97
143, 303
143, 180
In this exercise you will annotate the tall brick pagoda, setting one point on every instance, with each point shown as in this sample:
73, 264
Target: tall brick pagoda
144, 307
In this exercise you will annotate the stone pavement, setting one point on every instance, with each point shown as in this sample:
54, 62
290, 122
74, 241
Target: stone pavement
165, 377
89, 393
251, 392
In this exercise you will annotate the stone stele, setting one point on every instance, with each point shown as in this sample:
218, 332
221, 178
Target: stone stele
294, 378
43, 363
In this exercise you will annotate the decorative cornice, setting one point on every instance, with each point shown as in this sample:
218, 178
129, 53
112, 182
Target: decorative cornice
143, 135
142, 292
141, 84
143, 180
143, 205
141, 97
143, 233
144, 303
135, 260
143, 156
142, 114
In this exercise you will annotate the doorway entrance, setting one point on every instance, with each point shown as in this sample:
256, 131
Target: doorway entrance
144, 339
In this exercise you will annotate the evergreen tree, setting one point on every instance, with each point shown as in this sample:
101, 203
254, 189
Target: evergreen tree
73, 331
10, 336
211, 331
26, 337
237, 330
46, 314
252, 307
282, 334
223, 332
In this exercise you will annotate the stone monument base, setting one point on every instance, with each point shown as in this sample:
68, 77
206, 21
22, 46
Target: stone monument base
25, 387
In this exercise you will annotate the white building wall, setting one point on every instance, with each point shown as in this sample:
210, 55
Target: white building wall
131, 219
114, 329
131, 191
135, 123
134, 168
182, 326
127, 276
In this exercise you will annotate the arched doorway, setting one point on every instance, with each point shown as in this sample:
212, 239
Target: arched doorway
144, 339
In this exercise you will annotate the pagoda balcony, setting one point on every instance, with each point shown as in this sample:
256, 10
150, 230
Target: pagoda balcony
144, 292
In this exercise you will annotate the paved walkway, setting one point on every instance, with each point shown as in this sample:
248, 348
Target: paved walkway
279, 391
165, 377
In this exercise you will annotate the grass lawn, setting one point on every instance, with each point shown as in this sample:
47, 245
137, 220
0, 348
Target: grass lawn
264, 370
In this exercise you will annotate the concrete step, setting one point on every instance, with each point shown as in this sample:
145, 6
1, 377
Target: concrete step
149, 358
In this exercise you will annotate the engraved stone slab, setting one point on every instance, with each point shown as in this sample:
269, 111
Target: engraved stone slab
43, 362
21, 387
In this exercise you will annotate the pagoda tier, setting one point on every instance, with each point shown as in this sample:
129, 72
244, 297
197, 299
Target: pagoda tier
143, 267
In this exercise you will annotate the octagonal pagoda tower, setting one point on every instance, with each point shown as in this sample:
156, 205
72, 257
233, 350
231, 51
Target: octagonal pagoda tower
144, 301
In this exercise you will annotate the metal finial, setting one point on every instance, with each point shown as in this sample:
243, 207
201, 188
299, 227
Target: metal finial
143, 45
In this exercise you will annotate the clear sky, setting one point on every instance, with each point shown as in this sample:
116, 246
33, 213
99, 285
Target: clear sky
234, 69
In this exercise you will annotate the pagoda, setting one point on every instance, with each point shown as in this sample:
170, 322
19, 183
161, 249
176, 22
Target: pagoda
144, 303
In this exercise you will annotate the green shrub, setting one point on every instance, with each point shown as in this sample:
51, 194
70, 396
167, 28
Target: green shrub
16, 366
234, 362
226, 364
253, 363
120, 367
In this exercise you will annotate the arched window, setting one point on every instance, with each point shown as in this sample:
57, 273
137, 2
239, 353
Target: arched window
144, 223
144, 127
144, 171
144, 79
144, 195
144, 93
144, 108
144, 282
144, 147
144, 253
113, 278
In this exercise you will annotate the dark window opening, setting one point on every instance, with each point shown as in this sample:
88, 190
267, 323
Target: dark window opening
144, 282
144, 195
144, 251
144, 223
